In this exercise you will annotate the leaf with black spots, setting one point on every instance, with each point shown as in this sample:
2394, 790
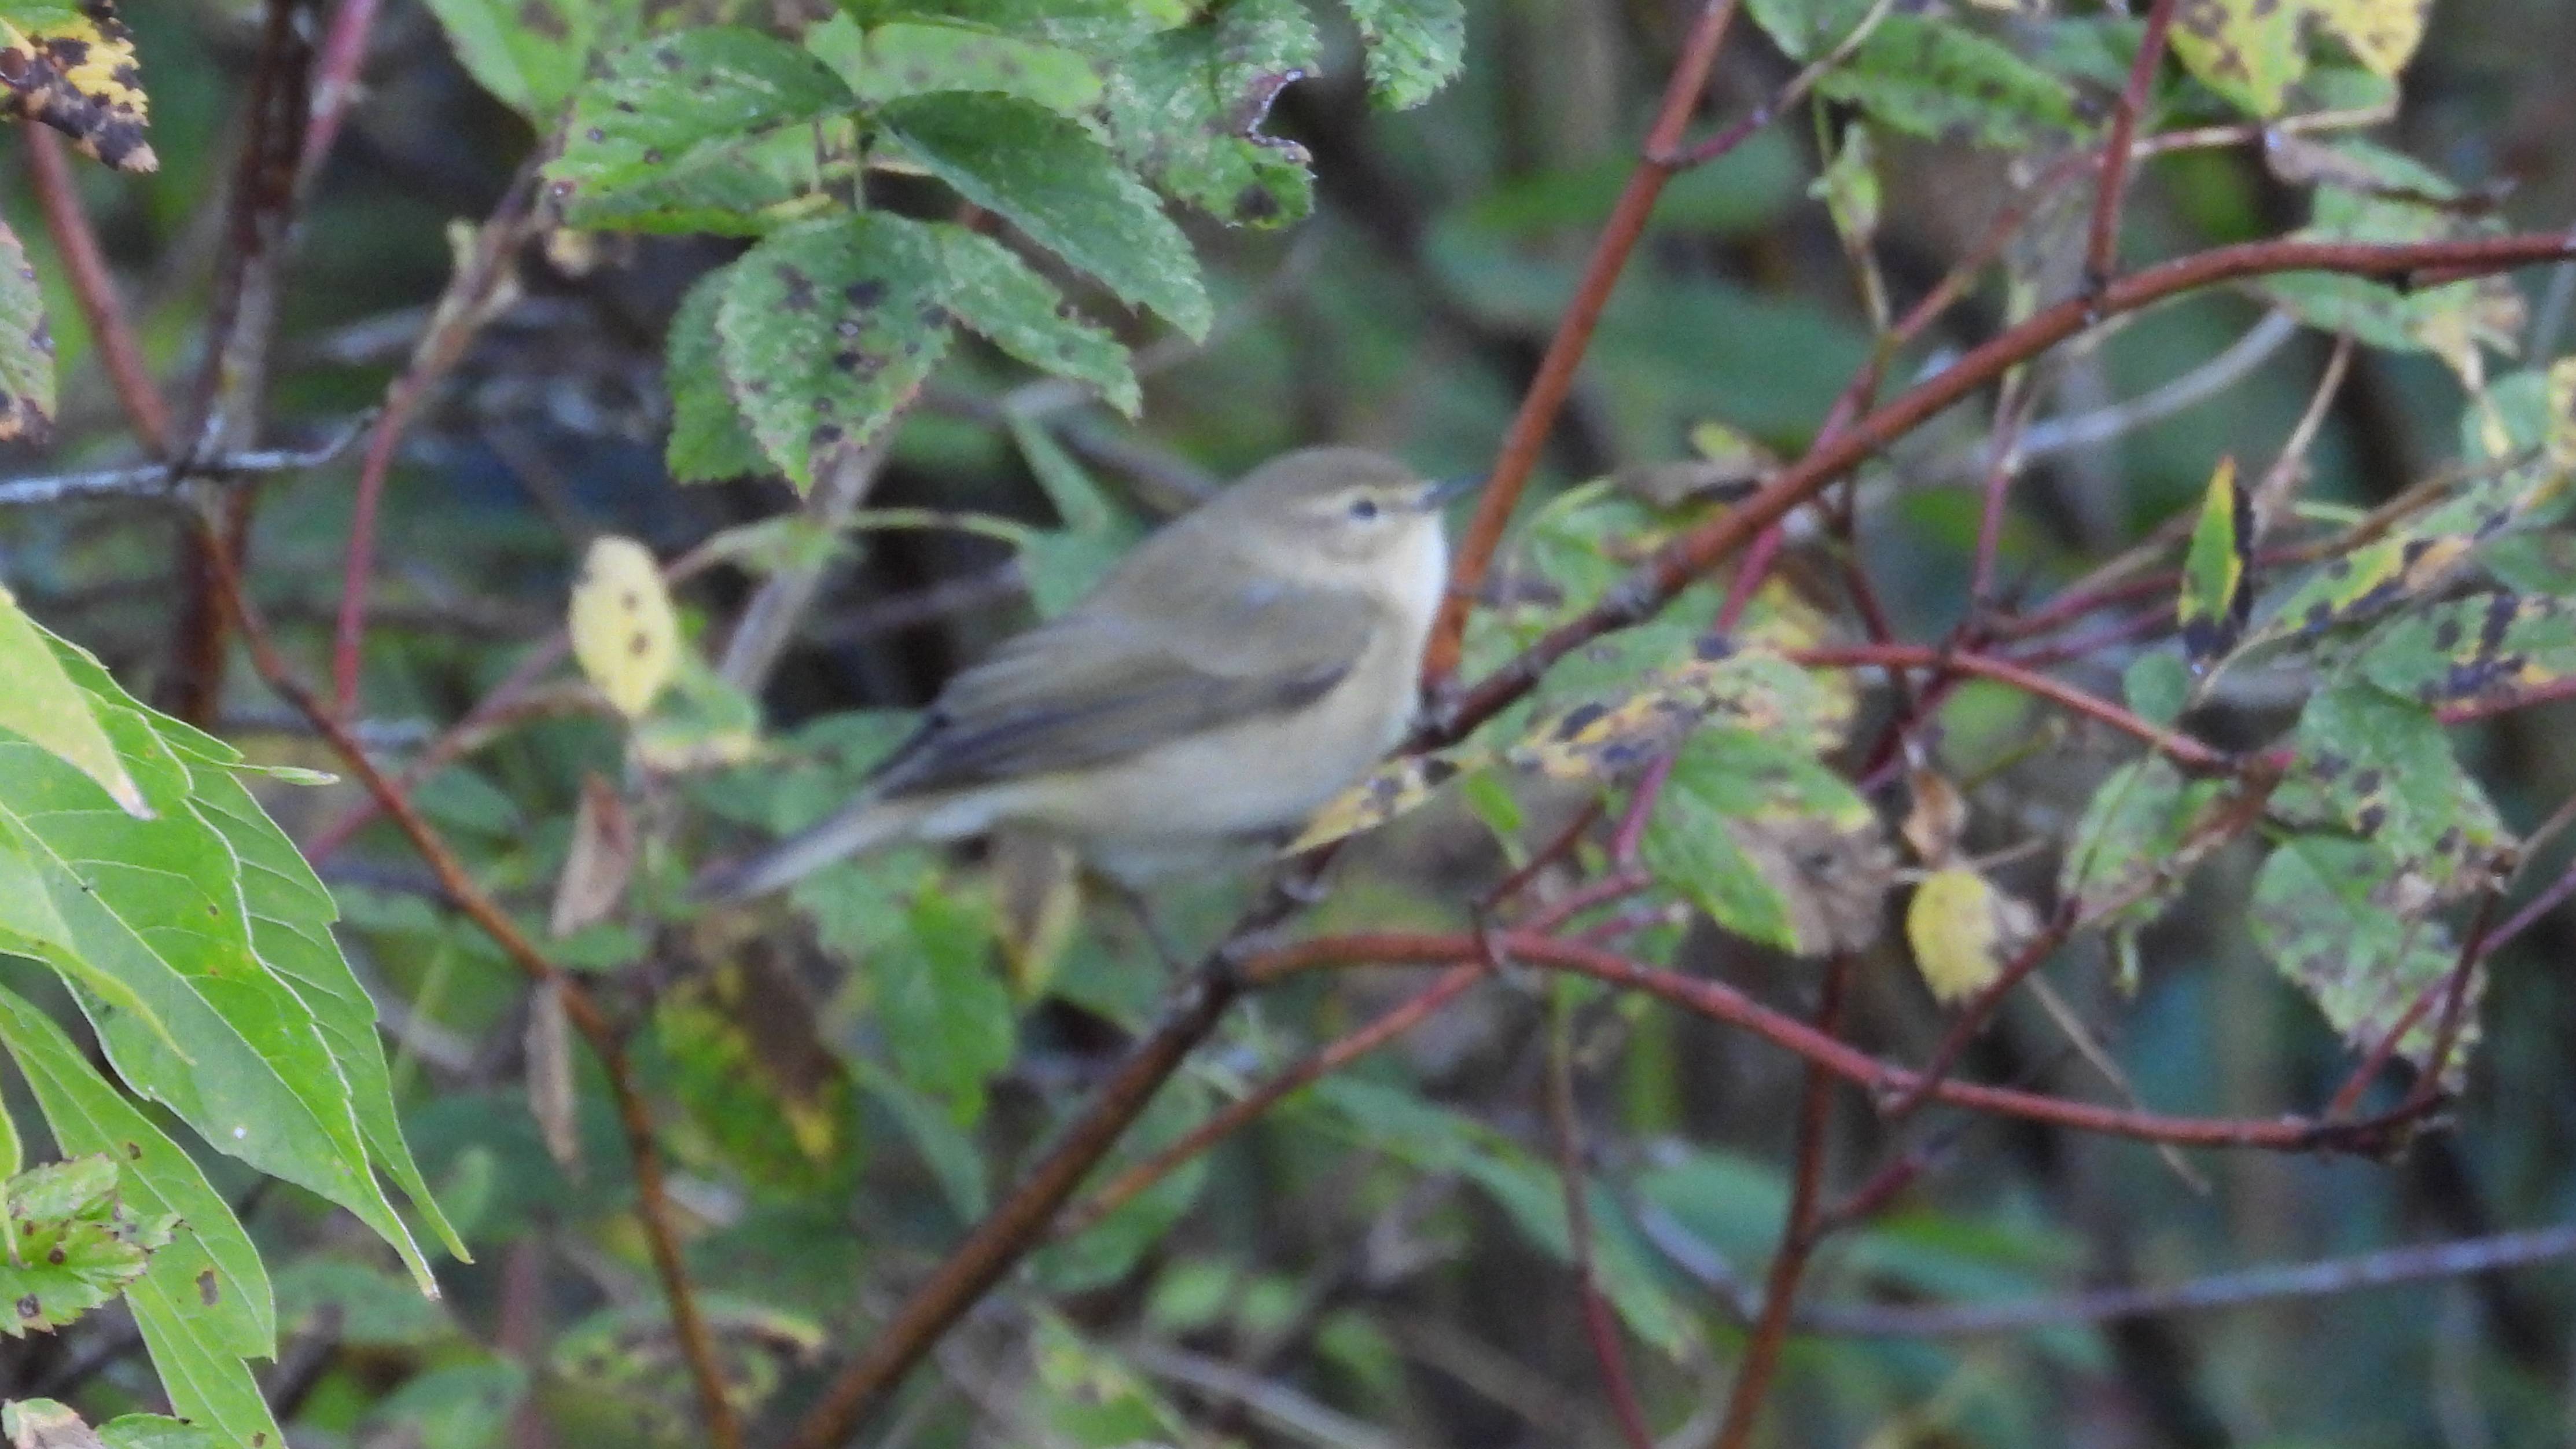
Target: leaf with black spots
531, 54
2381, 767
2345, 922
73, 69
26, 348
72, 1244
2253, 51
1187, 107
909, 58
2489, 648
995, 293
1056, 182
689, 132
1398, 787
828, 327
2218, 573
2132, 841
1772, 844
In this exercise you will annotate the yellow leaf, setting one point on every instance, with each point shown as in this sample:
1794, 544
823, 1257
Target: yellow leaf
1961, 929
2382, 34
1399, 787
623, 630
76, 74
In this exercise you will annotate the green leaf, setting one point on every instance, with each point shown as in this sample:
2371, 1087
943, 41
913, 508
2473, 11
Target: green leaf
42, 706
1086, 1397
946, 1015
2218, 574
530, 53
152, 1431
1414, 47
1053, 180
948, 1151
2489, 647
1103, 1253
206, 1383
2131, 835
762, 1094
2246, 50
2344, 921
827, 328
1741, 816
160, 939
373, 1308
1187, 107
26, 350
994, 292
210, 1261
664, 141
709, 440
2381, 766
72, 1244
454, 1406
909, 58
1806, 29
1934, 78
2157, 686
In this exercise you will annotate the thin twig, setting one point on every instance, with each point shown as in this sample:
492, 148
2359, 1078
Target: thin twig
94, 289
769, 621
2102, 254
1600, 1325
2182, 749
697, 1343
158, 482
1539, 407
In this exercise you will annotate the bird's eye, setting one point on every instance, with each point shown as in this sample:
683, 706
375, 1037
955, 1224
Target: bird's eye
1364, 509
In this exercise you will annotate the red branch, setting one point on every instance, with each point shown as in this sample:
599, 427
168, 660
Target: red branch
2102, 255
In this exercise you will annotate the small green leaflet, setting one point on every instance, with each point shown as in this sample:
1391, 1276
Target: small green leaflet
1775, 846
42, 706
1187, 108
709, 440
1414, 47
1805, 29
992, 291
1053, 180
26, 349
2218, 574
1937, 79
530, 53
826, 328
73, 1244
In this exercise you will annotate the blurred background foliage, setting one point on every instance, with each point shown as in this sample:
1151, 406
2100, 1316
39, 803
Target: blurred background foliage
1381, 1260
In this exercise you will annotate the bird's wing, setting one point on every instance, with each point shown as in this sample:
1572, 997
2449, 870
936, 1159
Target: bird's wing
1107, 681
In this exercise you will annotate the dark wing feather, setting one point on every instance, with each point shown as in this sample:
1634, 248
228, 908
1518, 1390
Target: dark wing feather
1102, 683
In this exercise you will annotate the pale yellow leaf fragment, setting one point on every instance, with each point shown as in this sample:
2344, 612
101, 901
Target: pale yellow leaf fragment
598, 864
2562, 413
623, 630
2382, 34
1962, 929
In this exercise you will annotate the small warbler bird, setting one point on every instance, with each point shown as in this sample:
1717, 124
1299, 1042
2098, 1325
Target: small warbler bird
1242, 666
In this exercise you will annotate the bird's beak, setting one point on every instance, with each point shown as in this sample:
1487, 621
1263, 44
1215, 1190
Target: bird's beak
1445, 489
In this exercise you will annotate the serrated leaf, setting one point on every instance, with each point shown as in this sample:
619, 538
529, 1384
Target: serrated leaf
210, 1260
165, 952
668, 138
2487, 648
994, 292
72, 1244
1414, 47
624, 632
530, 54
2382, 767
1055, 181
2246, 50
910, 58
42, 706
946, 1015
1187, 107
827, 328
1936, 79
26, 351
2131, 839
2218, 573
76, 72
709, 440
2342, 920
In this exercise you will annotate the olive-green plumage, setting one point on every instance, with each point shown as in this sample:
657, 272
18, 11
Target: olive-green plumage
1237, 670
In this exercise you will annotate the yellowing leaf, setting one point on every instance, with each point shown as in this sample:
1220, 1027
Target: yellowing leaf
2217, 593
73, 70
623, 630
1399, 787
2562, 413
600, 860
2253, 51
2382, 34
1962, 929
41, 705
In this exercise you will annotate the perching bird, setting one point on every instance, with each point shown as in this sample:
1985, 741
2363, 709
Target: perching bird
1236, 671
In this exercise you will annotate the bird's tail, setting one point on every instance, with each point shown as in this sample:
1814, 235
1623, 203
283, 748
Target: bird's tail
860, 826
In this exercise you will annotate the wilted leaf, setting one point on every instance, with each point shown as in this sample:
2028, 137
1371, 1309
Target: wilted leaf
1962, 930
2218, 575
624, 632
1187, 106
73, 70
1938, 820
1414, 46
1937, 79
2342, 920
552, 1101
992, 291
597, 862
1718, 685
764, 1095
42, 706
26, 350
2382, 34
1052, 179
2246, 50
828, 326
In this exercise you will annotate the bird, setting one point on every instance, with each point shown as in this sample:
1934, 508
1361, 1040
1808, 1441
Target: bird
1235, 671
